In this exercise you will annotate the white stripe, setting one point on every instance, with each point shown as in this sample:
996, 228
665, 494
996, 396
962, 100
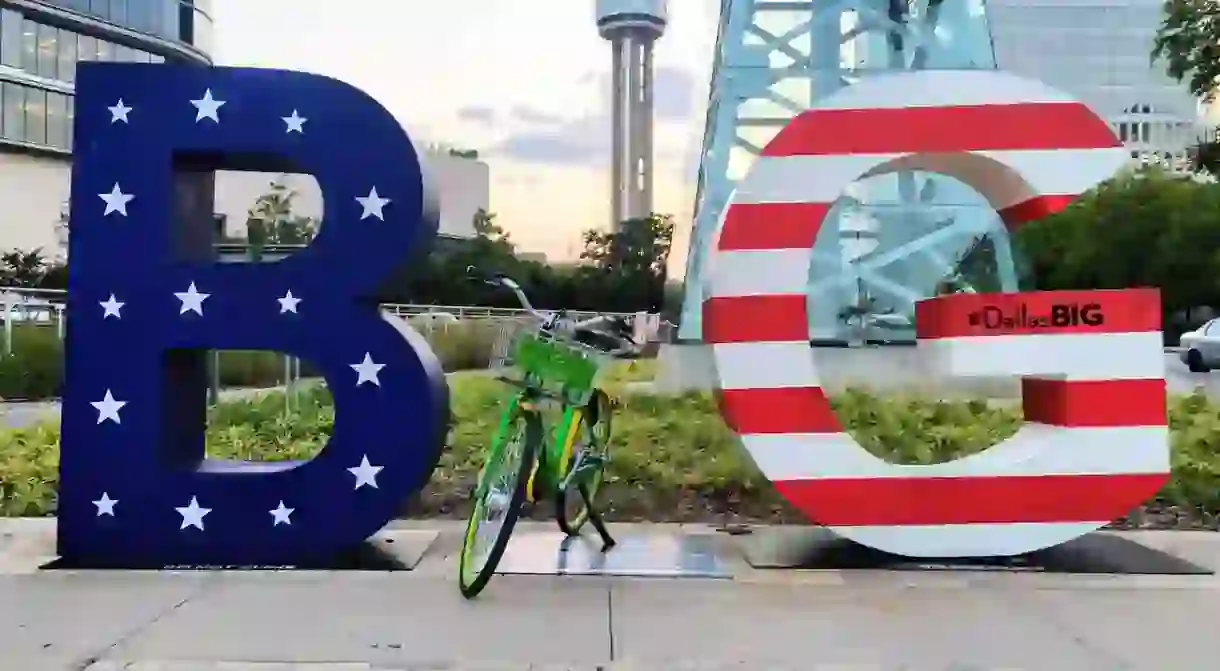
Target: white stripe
1036, 449
1073, 356
941, 88
822, 179
762, 272
765, 365
968, 540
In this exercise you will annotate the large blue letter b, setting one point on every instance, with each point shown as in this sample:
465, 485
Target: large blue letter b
146, 299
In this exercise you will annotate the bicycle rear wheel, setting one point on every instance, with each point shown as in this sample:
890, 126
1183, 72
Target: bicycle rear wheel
592, 446
497, 502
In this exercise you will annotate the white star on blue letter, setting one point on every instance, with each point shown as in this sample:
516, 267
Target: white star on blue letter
116, 200
207, 107
372, 205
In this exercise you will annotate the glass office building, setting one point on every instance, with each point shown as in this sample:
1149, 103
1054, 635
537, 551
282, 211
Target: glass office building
40, 44
1098, 50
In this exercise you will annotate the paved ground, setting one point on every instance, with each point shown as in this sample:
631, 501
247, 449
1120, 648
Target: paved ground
806, 621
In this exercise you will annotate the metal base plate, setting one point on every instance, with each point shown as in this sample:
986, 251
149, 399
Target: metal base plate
387, 550
642, 555
819, 548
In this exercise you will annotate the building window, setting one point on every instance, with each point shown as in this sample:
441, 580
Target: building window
118, 11
86, 48
29, 46
67, 56
36, 116
70, 120
48, 52
100, 8
10, 38
57, 120
137, 15
14, 112
105, 51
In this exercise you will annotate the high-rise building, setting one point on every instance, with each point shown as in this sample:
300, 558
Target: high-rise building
1098, 51
41, 42
631, 26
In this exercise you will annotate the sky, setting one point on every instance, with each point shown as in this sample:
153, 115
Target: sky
525, 82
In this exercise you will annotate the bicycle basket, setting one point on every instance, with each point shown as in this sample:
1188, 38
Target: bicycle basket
568, 365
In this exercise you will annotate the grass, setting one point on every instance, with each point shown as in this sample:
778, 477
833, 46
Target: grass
673, 458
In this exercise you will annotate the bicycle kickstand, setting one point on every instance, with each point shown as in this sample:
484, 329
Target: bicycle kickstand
595, 518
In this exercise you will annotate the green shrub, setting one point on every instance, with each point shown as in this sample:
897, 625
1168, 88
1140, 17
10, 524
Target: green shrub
34, 368
461, 345
251, 368
665, 448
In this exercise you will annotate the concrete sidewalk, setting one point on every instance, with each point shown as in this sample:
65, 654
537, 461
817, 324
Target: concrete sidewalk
806, 621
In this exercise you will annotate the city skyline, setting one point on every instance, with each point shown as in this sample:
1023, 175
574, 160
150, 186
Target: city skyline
536, 108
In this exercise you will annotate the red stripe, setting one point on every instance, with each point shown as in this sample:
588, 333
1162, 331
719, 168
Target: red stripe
907, 130
1094, 402
778, 410
982, 500
780, 318
1034, 209
772, 225
1039, 312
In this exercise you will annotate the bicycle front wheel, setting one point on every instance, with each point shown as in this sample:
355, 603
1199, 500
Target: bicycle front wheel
497, 502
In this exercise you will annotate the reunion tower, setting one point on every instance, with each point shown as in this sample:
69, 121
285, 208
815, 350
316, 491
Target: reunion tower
631, 26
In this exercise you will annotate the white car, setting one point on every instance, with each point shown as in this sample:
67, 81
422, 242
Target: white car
1201, 347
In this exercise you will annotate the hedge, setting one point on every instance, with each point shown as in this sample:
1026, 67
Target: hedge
673, 458
34, 368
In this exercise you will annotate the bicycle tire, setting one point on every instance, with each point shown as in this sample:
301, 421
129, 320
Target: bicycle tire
527, 426
600, 408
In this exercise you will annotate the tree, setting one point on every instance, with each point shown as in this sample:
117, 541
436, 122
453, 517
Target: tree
1145, 228
1189, 42
1205, 155
272, 220
32, 270
22, 269
627, 271
636, 246
438, 278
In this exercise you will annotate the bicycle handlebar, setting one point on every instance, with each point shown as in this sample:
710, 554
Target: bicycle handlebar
500, 280
509, 283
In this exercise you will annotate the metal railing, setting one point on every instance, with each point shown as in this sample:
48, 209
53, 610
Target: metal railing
41, 307
47, 308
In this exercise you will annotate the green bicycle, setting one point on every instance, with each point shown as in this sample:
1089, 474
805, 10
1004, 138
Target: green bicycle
559, 363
